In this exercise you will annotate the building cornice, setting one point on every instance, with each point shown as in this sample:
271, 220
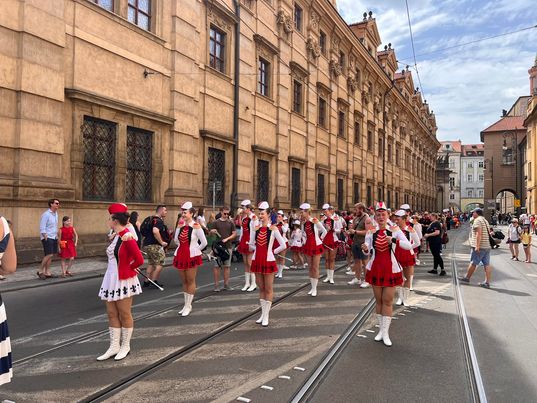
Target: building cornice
216, 136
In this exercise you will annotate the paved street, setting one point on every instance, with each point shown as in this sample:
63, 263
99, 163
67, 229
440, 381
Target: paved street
59, 328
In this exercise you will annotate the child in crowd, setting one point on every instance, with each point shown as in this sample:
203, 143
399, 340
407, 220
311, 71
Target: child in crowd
68, 240
525, 237
296, 245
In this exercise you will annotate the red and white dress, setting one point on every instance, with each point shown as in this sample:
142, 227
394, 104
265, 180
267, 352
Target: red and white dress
296, 240
247, 225
262, 242
333, 228
407, 258
282, 228
191, 241
313, 233
383, 270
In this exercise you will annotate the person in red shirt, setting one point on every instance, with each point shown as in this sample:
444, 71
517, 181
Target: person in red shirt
120, 282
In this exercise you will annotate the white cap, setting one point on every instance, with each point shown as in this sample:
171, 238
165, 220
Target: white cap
305, 206
296, 222
381, 206
326, 206
187, 205
263, 205
405, 207
280, 212
400, 213
246, 203
285, 218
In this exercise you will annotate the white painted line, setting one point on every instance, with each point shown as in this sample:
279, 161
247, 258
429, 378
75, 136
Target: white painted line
413, 307
243, 399
407, 310
531, 275
401, 314
266, 387
370, 331
394, 318
377, 326
284, 377
362, 336
299, 368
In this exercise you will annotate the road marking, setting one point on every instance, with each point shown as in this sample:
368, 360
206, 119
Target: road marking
243, 399
299, 368
407, 310
395, 318
531, 275
370, 331
377, 326
284, 377
362, 336
401, 314
266, 387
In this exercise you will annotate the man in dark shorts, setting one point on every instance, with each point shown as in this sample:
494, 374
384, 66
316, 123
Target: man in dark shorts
48, 228
358, 231
225, 229
155, 243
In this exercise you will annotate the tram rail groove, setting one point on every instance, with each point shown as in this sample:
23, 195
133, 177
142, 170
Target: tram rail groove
131, 379
310, 385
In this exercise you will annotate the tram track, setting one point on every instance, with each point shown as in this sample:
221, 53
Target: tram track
149, 369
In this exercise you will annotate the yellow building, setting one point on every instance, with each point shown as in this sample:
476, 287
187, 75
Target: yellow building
531, 153
136, 101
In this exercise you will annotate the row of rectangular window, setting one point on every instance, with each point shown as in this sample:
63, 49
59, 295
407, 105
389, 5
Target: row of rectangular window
138, 11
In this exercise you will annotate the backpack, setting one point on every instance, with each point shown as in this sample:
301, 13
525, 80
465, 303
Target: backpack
146, 228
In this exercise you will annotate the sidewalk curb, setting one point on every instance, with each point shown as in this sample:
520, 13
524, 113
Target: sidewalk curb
45, 283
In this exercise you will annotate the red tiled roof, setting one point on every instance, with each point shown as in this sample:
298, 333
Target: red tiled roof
455, 145
472, 148
506, 123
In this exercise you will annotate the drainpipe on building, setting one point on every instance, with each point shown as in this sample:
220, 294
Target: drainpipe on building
234, 183
384, 140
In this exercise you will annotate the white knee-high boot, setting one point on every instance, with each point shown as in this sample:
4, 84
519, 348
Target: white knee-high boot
410, 278
253, 284
399, 296
331, 280
126, 334
247, 278
406, 294
188, 305
184, 306
280, 271
262, 302
379, 335
115, 335
327, 278
386, 333
265, 322
313, 291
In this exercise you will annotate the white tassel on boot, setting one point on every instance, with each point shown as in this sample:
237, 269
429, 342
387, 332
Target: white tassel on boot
115, 335
188, 305
262, 303
314, 282
406, 294
246, 281
184, 306
126, 333
331, 279
380, 334
386, 333
268, 304
410, 278
399, 296
253, 284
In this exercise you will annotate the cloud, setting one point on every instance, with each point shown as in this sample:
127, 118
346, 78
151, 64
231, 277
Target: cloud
467, 86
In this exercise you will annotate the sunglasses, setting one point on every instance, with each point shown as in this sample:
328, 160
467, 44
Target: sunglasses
225, 213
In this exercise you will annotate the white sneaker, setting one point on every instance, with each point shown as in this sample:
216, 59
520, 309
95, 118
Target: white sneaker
354, 281
365, 284
286, 267
349, 273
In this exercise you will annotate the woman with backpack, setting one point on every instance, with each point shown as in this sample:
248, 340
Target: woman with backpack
513, 238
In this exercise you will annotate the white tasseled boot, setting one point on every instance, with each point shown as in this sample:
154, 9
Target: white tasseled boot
331, 279
386, 333
406, 294
184, 306
115, 334
188, 305
268, 304
314, 282
380, 334
410, 278
246, 281
253, 284
126, 333
262, 302
399, 296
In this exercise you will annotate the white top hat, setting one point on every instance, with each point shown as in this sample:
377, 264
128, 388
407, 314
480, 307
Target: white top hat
405, 207
187, 205
326, 206
263, 205
381, 206
305, 206
400, 213
280, 212
246, 203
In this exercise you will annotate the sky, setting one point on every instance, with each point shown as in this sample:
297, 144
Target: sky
466, 87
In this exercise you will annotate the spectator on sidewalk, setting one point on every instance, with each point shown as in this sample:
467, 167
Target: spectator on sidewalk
156, 239
48, 228
68, 241
358, 231
224, 228
513, 238
479, 241
8, 264
433, 236
525, 237
134, 226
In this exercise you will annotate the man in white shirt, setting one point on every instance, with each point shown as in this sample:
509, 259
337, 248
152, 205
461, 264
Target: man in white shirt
48, 229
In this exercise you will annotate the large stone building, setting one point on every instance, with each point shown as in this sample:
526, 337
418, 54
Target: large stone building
530, 123
472, 176
159, 101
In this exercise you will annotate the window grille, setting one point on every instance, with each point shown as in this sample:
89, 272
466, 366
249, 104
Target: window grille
99, 140
356, 192
295, 187
340, 194
139, 13
262, 180
320, 190
138, 185
216, 176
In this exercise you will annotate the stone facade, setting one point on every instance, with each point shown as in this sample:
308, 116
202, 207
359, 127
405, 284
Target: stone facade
448, 178
531, 146
84, 85
472, 176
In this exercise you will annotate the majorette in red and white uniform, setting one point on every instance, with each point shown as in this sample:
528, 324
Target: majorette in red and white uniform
406, 258
248, 224
190, 240
333, 225
283, 228
313, 232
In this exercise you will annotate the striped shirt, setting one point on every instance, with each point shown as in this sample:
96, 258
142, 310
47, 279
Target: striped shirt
480, 222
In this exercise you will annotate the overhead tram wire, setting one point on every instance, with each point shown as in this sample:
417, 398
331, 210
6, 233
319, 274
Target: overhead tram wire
413, 49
